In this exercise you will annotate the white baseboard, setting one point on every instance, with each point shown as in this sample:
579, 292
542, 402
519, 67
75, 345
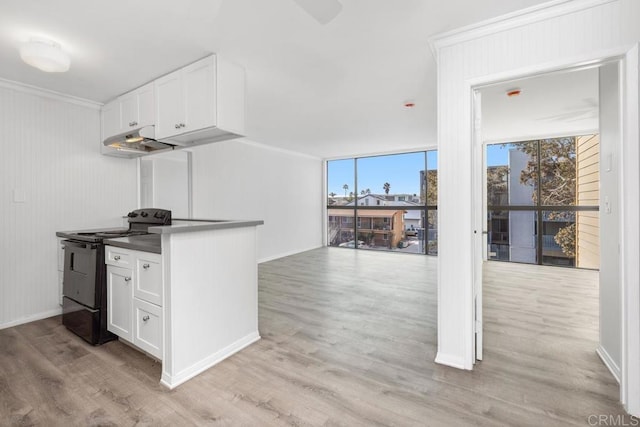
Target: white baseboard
450, 360
31, 318
282, 255
609, 363
173, 381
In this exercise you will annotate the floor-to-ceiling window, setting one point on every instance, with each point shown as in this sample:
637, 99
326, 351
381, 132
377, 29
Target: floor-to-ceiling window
543, 201
384, 202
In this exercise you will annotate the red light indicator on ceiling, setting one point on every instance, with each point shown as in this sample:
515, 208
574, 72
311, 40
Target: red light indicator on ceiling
409, 104
513, 92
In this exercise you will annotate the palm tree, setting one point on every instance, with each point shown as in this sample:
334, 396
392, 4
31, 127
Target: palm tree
386, 187
332, 194
368, 191
345, 188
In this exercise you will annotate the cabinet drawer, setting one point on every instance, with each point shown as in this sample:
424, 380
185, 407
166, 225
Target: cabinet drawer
117, 257
147, 327
148, 287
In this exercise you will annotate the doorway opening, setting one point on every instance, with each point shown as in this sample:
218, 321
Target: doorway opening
550, 184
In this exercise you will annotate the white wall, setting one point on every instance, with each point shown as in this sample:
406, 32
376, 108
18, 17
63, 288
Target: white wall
244, 180
556, 35
610, 349
165, 182
50, 158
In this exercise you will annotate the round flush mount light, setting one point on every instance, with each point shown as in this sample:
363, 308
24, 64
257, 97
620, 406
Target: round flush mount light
45, 55
513, 92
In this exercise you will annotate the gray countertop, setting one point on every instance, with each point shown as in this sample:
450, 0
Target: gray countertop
191, 225
147, 243
152, 242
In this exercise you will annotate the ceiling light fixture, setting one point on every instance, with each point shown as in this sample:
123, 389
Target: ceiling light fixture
45, 55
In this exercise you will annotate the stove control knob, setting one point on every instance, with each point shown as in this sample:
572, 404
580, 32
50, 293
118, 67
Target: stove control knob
144, 214
158, 215
132, 214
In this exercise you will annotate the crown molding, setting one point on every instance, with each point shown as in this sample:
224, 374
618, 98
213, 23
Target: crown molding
509, 21
51, 94
250, 142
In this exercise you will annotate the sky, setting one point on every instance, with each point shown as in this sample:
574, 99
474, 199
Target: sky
402, 171
498, 154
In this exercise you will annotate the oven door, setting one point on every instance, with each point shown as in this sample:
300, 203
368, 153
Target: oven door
80, 278
81, 320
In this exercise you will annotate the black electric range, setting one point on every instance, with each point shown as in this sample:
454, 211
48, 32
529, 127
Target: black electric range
84, 284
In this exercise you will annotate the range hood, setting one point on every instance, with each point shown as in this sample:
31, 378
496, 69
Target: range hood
137, 142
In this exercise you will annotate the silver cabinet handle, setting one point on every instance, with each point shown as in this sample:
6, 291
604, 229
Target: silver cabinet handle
145, 318
177, 126
133, 123
127, 279
117, 257
145, 266
182, 125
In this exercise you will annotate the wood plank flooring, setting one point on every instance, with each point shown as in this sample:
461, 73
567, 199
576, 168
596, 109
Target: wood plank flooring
349, 338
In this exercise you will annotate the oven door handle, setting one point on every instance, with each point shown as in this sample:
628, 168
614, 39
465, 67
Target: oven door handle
79, 245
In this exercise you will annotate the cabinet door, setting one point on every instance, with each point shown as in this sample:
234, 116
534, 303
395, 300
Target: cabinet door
110, 119
199, 86
146, 105
148, 285
169, 106
119, 301
129, 111
148, 327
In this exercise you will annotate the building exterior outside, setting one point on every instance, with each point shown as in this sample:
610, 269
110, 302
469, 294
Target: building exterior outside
570, 236
382, 228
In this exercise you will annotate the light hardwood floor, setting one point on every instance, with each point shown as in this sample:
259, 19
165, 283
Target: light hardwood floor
349, 338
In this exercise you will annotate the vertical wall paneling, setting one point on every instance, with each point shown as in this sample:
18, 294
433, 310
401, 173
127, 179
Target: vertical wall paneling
53, 178
549, 37
246, 180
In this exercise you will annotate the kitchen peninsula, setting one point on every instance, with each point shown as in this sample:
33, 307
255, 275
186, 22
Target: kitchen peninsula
205, 304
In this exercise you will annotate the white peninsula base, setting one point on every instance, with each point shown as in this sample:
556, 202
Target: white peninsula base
210, 295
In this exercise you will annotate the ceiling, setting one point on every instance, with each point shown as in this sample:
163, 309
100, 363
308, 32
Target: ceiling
555, 104
326, 90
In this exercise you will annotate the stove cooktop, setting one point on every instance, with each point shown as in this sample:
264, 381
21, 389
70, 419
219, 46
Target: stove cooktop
139, 222
99, 235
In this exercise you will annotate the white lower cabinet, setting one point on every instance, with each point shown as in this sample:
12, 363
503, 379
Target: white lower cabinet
135, 298
60, 269
119, 295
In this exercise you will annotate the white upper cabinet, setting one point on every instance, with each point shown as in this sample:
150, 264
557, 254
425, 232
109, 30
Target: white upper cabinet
199, 94
203, 101
130, 111
200, 103
110, 119
170, 105
137, 108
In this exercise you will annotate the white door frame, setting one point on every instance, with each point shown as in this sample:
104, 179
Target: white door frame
630, 200
479, 223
